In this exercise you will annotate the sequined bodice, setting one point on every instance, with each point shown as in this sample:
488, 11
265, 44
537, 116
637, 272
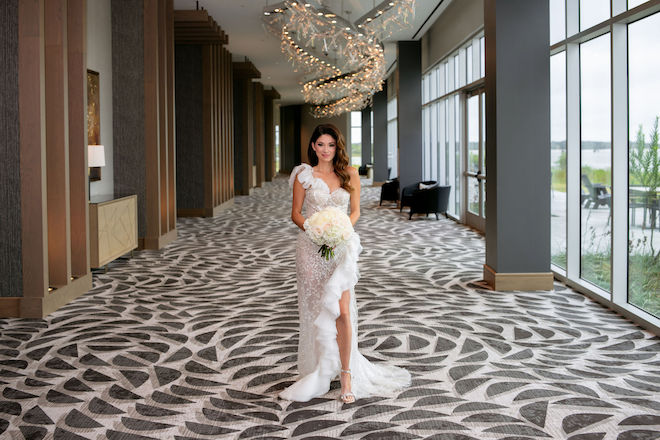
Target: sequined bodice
318, 195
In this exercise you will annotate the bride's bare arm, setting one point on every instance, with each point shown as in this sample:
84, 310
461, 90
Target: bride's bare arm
296, 207
355, 195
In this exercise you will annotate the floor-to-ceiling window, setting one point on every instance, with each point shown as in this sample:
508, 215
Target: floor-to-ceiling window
558, 158
605, 105
356, 138
595, 160
445, 89
644, 164
392, 136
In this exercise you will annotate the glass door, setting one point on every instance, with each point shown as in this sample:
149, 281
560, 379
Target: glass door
475, 174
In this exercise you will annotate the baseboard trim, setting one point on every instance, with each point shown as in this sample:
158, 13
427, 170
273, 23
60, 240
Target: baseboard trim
194, 212
518, 281
40, 307
156, 243
223, 207
205, 212
10, 307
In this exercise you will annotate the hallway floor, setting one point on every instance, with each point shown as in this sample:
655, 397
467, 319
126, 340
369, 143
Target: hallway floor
195, 341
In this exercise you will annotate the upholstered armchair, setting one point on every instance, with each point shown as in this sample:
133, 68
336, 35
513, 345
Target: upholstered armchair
430, 200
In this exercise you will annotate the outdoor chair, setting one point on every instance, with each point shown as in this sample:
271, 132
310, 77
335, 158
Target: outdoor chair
430, 200
650, 204
598, 194
389, 191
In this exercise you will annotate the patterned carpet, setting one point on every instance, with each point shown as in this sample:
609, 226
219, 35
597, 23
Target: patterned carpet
196, 340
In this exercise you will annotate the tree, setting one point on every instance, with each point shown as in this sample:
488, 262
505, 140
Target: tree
644, 160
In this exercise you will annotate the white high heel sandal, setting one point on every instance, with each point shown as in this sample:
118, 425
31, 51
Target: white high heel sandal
346, 397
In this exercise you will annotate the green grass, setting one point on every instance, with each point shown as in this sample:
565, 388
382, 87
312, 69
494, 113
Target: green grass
643, 277
644, 283
596, 268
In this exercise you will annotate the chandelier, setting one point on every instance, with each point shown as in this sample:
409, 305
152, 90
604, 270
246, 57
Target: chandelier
342, 63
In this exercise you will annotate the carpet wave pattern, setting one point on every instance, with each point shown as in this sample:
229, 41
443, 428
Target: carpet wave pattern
196, 340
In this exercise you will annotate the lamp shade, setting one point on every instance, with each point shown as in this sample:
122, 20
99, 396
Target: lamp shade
95, 156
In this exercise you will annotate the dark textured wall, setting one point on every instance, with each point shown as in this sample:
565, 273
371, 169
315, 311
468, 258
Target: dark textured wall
518, 135
11, 277
290, 123
380, 135
240, 135
128, 102
189, 126
409, 111
366, 136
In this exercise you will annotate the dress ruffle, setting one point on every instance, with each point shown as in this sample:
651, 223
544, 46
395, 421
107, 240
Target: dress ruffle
344, 277
305, 175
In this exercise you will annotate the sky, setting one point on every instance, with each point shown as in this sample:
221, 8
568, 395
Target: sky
643, 80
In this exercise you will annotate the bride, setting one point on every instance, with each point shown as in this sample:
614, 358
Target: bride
326, 297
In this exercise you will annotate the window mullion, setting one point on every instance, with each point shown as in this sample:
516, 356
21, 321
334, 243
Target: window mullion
619, 163
573, 167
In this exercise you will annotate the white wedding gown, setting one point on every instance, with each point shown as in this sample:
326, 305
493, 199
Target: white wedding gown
320, 285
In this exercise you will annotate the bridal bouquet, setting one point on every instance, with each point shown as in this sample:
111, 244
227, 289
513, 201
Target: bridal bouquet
328, 228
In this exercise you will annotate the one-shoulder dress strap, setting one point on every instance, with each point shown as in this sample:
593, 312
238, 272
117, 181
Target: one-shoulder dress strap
305, 175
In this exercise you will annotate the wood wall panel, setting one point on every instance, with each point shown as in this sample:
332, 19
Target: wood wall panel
207, 118
171, 109
162, 117
230, 125
51, 122
151, 141
259, 128
217, 129
244, 146
31, 95
77, 100
216, 106
269, 140
57, 144
158, 125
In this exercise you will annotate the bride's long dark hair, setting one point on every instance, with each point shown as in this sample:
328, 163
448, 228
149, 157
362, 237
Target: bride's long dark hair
340, 161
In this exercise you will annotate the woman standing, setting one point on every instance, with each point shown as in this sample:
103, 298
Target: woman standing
326, 296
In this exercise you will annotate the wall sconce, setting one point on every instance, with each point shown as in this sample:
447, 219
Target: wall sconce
95, 160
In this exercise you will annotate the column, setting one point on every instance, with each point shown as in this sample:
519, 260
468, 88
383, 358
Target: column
259, 134
243, 72
366, 136
380, 135
409, 111
143, 114
269, 107
518, 136
44, 155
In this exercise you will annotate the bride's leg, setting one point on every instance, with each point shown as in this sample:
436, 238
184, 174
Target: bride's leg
344, 333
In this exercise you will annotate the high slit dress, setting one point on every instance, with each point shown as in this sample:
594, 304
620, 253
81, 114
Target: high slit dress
321, 283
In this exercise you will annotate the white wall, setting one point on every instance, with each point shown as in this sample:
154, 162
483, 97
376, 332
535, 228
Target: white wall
99, 59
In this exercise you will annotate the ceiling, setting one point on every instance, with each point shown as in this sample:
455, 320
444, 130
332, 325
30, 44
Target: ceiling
241, 20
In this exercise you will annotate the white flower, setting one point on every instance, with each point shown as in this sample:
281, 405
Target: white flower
328, 228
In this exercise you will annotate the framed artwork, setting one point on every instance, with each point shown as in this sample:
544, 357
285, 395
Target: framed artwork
93, 118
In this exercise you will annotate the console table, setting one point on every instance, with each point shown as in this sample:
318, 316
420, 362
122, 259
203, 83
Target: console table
112, 228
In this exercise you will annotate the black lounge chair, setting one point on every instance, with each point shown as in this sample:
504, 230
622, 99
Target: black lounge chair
389, 191
431, 200
408, 190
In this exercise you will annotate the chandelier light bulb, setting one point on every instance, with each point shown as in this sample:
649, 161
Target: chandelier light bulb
358, 64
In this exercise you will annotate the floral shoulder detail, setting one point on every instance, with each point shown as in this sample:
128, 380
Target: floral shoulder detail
304, 173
